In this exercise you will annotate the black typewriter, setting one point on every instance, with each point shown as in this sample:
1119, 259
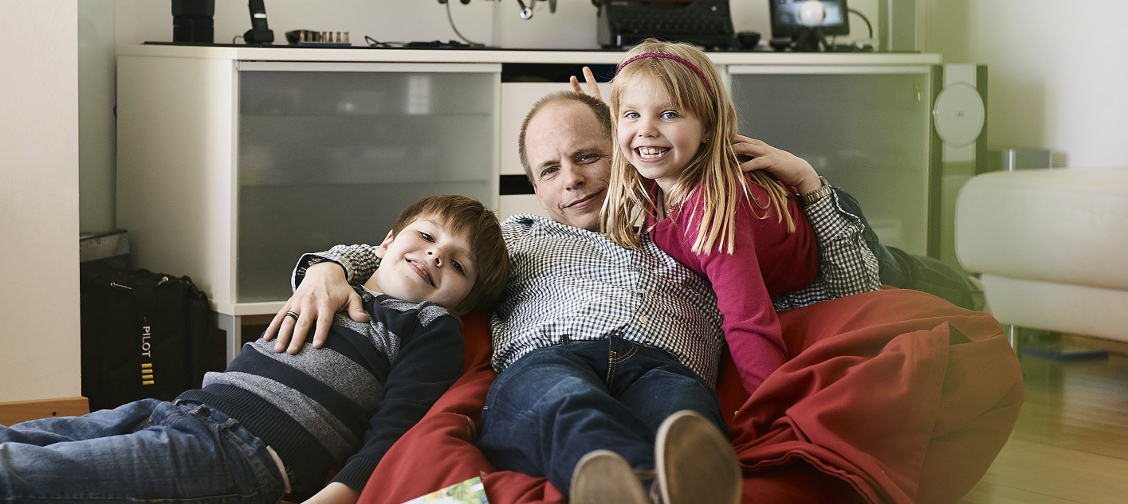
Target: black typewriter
706, 23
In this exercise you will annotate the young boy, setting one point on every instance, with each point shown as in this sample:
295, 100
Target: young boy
274, 423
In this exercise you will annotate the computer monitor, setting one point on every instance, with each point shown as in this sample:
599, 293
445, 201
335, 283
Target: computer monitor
786, 23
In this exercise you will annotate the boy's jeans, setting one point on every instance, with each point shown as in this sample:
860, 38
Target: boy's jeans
554, 405
146, 449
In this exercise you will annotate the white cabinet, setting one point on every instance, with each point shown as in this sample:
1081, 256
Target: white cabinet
230, 168
867, 129
862, 120
232, 161
331, 153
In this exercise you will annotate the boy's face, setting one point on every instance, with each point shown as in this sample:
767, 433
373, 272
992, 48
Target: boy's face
425, 262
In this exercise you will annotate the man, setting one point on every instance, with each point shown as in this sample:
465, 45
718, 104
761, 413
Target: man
607, 357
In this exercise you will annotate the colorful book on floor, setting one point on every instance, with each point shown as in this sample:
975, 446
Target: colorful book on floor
471, 491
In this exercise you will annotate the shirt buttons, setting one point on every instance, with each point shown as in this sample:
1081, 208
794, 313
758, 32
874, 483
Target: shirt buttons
642, 319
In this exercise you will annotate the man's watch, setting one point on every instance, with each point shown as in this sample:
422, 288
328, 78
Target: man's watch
810, 197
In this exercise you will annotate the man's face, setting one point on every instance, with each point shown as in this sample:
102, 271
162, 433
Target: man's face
570, 159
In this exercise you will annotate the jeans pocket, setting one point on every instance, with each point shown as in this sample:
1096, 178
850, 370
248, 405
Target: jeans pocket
255, 467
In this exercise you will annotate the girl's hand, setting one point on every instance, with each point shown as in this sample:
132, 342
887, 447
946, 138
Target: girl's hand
785, 166
593, 87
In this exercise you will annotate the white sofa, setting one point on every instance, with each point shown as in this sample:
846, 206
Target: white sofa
1052, 245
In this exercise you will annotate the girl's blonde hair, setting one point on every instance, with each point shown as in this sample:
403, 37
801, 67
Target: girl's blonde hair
714, 169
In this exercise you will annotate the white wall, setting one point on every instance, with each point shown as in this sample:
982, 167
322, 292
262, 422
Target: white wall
39, 297
1057, 72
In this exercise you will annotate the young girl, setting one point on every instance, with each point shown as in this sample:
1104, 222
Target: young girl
675, 170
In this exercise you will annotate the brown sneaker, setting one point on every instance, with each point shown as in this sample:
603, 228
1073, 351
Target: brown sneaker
604, 477
695, 462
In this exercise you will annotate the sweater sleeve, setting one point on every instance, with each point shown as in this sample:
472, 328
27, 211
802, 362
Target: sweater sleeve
846, 264
426, 366
751, 327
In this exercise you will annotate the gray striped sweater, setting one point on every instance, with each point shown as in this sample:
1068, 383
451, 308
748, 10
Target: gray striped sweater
349, 400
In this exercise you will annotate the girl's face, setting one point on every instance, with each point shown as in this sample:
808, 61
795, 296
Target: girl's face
656, 136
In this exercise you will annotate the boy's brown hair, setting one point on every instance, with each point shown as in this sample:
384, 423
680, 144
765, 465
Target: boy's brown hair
470, 218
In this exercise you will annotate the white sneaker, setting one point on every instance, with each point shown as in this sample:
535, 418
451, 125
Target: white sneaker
695, 462
604, 477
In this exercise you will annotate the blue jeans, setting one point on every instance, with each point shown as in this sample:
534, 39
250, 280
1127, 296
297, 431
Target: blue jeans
147, 449
555, 404
908, 271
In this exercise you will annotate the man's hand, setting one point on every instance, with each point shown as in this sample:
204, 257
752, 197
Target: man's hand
589, 78
323, 292
334, 493
785, 166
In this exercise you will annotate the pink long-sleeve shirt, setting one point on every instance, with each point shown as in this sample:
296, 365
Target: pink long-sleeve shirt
766, 260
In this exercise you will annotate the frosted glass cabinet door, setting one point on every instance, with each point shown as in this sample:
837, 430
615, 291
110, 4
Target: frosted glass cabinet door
865, 129
330, 153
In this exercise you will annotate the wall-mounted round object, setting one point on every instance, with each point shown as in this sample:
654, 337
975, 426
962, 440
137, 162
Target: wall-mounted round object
958, 115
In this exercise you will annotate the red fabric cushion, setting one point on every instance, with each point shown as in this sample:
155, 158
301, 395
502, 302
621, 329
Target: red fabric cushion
888, 396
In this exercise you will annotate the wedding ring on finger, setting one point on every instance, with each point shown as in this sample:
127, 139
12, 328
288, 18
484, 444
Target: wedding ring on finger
292, 315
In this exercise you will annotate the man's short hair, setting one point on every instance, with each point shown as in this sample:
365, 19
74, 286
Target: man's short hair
470, 218
602, 113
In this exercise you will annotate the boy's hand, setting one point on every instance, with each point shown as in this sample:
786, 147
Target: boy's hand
593, 87
785, 166
323, 292
335, 493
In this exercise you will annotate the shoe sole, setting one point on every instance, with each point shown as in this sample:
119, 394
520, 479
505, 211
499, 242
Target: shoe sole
706, 467
604, 477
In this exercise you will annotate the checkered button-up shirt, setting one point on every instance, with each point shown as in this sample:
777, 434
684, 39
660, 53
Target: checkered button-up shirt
570, 284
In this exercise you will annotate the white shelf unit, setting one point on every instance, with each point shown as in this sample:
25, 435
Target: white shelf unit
866, 128
229, 169
234, 160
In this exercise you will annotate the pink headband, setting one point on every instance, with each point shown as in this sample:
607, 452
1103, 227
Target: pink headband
669, 57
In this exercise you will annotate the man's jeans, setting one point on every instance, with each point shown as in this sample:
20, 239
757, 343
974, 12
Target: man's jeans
146, 449
907, 271
554, 405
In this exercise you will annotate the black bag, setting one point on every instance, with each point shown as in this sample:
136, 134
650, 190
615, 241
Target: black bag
144, 335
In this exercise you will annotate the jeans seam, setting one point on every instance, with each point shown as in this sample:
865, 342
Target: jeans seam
631, 351
610, 367
613, 360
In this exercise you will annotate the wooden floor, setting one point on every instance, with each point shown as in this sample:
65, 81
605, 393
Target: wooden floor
1070, 443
